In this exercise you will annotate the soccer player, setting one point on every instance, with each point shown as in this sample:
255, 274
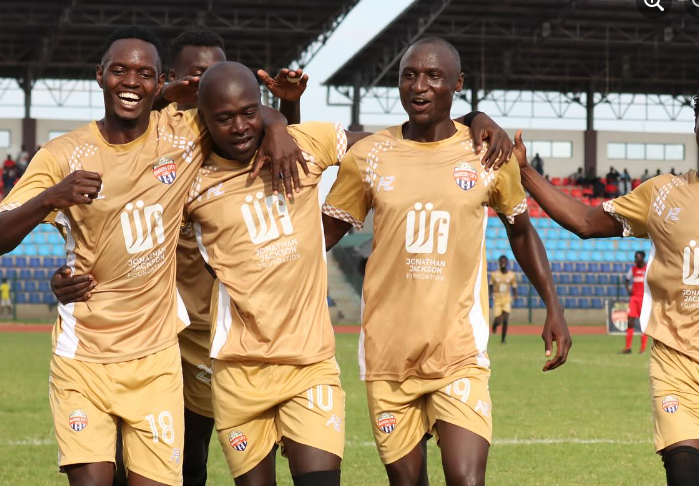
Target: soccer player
116, 189
5, 297
635, 279
425, 320
503, 288
660, 209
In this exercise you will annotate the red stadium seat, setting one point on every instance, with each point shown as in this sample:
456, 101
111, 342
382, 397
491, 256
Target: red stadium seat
557, 181
576, 193
587, 191
535, 212
568, 181
635, 183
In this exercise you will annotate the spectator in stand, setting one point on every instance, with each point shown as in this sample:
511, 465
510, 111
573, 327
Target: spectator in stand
672, 171
612, 176
578, 177
611, 190
22, 162
547, 178
657, 173
645, 176
538, 164
591, 178
5, 298
598, 187
8, 164
9, 178
625, 182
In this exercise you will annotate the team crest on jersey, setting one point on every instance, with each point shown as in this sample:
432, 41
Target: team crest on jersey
386, 422
77, 420
671, 404
465, 176
238, 441
165, 170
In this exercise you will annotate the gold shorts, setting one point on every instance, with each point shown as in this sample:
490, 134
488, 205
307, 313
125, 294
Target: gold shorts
501, 305
256, 404
403, 412
87, 399
674, 388
196, 371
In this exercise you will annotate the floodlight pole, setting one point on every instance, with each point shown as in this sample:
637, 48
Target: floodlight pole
590, 133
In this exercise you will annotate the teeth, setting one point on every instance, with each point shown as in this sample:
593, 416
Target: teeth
129, 96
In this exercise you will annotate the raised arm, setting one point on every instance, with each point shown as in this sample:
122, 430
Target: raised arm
531, 256
288, 86
573, 215
483, 127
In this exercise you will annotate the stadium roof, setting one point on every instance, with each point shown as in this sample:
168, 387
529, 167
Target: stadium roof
65, 38
566, 46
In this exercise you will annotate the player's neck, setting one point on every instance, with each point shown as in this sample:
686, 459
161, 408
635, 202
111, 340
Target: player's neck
119, 132
433, 132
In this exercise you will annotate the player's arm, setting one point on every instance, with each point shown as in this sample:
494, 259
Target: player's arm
288, 86
514, 291
573, 215
72, 288
531, 256
483, 127
40, 192
628, 279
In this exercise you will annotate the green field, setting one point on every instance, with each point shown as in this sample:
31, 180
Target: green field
588, 423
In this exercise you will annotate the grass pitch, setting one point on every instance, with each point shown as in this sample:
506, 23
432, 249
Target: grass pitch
587, 423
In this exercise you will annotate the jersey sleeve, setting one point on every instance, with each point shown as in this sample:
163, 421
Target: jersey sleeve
632, 209
629, 275
349, 199
324, 144
507, 196
43, 172
189, 120
513, 281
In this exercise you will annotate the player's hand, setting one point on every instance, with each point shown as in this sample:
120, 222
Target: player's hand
499, 144
556, 329
80, 187
520, 150
182, 91
280, 152
282, 87
69, 288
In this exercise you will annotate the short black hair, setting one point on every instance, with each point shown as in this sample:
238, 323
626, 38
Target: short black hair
642, 253
501, 257
134, 32
434, 40
196, 38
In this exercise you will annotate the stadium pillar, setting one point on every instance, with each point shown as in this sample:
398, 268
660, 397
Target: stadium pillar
355, 125
474, 94
28, 123
590, 134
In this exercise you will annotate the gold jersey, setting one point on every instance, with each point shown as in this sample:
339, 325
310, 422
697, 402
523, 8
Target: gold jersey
662, 209
269, 255
503, 283
126, 238
425, 296
194, 283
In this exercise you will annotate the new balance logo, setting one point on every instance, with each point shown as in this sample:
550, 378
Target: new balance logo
690, 273
386, 183
151, 217
422, 238
261, 215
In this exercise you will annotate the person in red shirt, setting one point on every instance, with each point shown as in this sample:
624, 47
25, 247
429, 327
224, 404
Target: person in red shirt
634, 285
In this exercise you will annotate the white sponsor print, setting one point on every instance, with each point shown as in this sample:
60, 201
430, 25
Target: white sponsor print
151, 217
424, 240
215, 191
673, 214
386, 183
335, 421
262, 221
690, 272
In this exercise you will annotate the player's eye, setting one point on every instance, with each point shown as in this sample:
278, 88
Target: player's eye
223, 119
250, 114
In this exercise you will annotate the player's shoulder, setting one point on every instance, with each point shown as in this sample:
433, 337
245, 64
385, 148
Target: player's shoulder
383, 139
78, 140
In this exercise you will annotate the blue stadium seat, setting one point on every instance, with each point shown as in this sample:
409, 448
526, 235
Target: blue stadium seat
624, 245
7, 262
566, 278
584, 303
492, 266
568, 267
576, 244
603, 279
11, 274
556, 278
48, 298
35, 262
34, 298
21, 298
30, 286
17, 285
611, 291
39, 274
618, 267
580, 267
590, 279
556, 266
585, 255
49, 262
20, 262
60, 261
40, 238
55, 239
620, 256
571, 303
572, 255
593, 267
574, 291
599, 291
562, 290
44, 286
30, 250
587, 291
25, 274
57, 251
523, 278
559, 255
516, 267
597, 303
492, 233
577, 278
520, 303
605, 267
44, 250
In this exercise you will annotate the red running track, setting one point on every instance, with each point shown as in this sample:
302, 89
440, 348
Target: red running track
512, 330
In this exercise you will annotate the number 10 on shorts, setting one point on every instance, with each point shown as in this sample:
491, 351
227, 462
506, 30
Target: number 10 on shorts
460, 389
166, 427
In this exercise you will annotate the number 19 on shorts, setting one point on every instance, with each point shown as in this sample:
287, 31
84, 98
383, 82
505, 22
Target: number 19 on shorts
166, 423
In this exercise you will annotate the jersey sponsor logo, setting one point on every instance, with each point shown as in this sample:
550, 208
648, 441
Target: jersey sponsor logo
261, 215
238, 441
484, 408
176, 456
673, 214
690, 272
336, 423
386, 183
215, 191
465, 176
165, 170
422, 239
77, 420
386, 422
671, 404
152, 216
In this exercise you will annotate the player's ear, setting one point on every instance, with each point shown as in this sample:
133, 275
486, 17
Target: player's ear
171, 75
161, 81
98, 74
459, 83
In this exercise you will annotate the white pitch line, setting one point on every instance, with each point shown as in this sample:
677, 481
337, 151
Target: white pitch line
26, 442
517, 442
